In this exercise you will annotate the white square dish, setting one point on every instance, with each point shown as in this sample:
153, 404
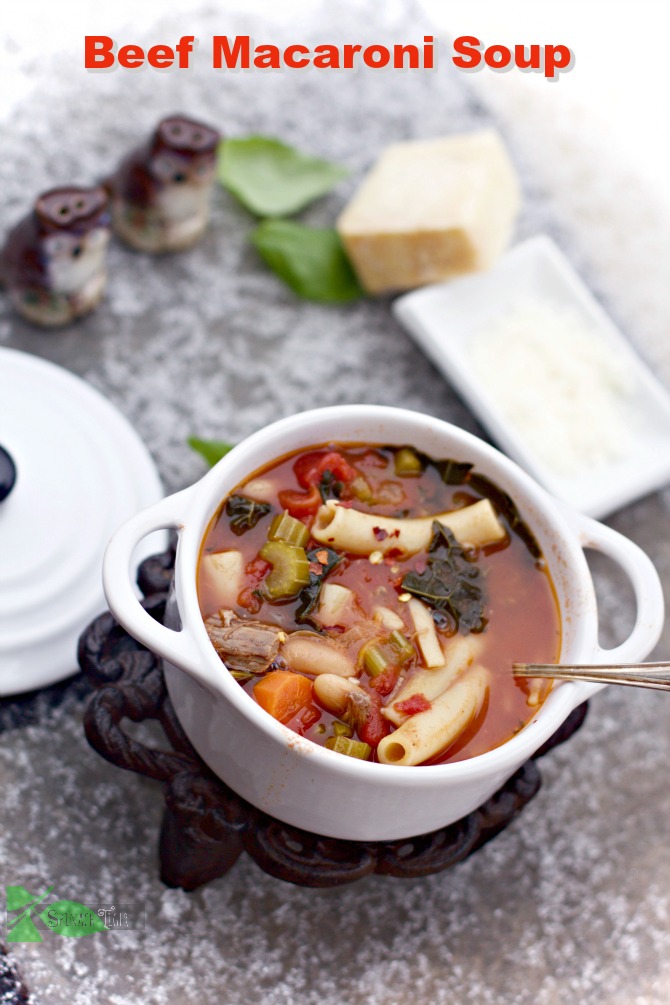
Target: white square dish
446, 318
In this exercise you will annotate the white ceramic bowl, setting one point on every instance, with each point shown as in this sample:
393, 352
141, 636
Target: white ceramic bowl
294, 779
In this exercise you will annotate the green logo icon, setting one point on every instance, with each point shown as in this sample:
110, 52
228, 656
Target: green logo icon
25, 912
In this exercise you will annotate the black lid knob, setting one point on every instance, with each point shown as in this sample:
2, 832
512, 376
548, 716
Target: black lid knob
7, 474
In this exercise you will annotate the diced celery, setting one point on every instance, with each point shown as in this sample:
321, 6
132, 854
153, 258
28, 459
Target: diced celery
360, 487
342, 729
286, 528
353, 748
374, 659
407, 463
402, 646
241, 676
290, 570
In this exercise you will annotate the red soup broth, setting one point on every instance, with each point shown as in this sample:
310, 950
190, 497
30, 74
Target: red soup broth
520, 606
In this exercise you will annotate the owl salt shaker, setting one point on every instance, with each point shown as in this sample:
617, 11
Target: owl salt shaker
53, 261
160, 193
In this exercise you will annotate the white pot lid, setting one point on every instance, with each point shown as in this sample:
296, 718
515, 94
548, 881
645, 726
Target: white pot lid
81, 471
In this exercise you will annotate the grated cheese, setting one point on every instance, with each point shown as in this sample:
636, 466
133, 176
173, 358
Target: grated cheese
558, 383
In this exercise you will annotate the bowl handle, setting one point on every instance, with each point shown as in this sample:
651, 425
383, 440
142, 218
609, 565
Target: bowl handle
177, 647
646, 586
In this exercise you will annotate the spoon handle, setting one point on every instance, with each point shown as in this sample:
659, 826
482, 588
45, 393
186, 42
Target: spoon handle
652, 675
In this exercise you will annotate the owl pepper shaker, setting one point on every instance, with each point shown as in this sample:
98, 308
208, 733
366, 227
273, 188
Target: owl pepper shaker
53, 261
160, 193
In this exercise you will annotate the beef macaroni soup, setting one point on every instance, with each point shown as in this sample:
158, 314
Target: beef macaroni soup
373, 599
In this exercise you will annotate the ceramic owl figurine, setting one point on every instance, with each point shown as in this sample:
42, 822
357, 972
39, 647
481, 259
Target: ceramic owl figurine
160, 193
53, 263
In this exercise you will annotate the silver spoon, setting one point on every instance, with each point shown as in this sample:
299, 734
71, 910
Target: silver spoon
653, 675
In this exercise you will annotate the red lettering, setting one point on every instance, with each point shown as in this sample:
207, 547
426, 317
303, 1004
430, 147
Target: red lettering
98, 53
327, 57
557, 57
376, 56
130, 56
399, 53
267, 57
534, 59
428, 52
185, 48
498, 50
290, 59
236, 56
160, 56
469, 56
550, 58
349, 53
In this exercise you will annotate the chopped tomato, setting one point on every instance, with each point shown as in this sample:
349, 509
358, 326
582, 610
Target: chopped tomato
412, 705
308, 718
257, 569
306, 468
310, 468
250, 601
384, 682
375, 727
301, 505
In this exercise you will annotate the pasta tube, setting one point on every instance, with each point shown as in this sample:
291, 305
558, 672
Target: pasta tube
425, 734
335, 602
312, 654
461, 652
222, 575
260, 489
537, 691
426, 634
360, 533
388, 619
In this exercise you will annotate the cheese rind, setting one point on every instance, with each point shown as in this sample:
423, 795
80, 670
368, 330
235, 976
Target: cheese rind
430, 210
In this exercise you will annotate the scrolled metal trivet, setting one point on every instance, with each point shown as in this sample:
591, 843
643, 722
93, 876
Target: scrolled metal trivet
206, 826
13, 989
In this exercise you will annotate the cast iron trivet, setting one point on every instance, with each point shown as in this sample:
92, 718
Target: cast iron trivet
13, 990
206, 826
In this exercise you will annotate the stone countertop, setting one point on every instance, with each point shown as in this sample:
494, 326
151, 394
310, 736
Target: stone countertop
572, 903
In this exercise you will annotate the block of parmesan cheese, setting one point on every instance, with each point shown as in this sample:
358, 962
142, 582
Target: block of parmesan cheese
430, 210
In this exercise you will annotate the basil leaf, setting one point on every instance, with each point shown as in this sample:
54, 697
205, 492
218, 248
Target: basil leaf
272, 179
211, 450
450, 582
245, 513
311, 261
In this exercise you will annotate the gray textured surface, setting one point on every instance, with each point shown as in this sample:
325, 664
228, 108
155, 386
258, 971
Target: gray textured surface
572, 904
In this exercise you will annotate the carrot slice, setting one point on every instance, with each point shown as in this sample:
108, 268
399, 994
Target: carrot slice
283, 693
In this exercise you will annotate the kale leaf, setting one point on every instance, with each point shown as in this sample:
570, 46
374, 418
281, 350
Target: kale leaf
245, 513
450, 582
309, 595
453, 472
329, 486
